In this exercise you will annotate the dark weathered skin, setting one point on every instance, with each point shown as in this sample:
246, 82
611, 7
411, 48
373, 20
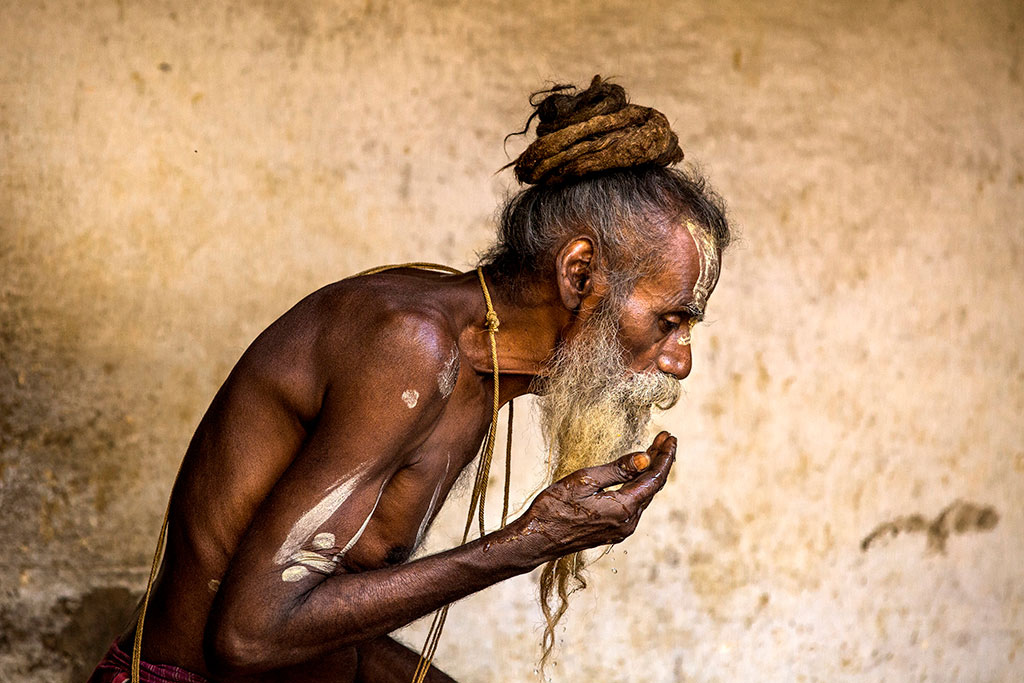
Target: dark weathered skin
317, 396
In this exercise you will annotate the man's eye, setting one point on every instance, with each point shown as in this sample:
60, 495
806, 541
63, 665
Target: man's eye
669, 323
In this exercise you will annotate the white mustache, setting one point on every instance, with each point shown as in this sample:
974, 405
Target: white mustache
650, 389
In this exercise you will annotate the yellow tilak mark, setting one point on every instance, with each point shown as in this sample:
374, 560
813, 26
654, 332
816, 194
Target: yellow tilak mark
707, 254
686, 337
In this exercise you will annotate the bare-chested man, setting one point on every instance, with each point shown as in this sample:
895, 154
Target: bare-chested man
327, 452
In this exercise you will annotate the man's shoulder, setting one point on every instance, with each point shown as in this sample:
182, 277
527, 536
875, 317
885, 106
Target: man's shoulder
372, 323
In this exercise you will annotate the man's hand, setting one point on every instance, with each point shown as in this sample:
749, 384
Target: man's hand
578, 512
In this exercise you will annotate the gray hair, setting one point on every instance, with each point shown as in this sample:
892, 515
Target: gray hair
628, 212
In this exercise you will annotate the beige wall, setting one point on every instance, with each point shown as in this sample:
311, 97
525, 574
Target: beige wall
174, 178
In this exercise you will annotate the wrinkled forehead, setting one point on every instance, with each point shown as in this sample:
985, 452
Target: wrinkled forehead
688, 269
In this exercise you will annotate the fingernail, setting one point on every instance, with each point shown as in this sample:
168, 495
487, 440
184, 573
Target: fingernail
640, 462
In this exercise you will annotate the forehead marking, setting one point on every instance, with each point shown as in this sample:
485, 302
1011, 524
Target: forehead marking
707, 256
686, 337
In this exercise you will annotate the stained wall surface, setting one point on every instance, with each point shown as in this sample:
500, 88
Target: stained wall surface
174, 178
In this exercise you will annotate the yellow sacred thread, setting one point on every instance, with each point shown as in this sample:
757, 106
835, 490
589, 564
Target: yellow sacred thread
137, 645
421, 265
492, 327
491, 323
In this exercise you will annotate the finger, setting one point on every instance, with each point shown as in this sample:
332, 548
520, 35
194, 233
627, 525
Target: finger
642, 488
658, 441
642, 460
618, 471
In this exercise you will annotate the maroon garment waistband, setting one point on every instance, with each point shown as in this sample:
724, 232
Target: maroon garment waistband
116, 667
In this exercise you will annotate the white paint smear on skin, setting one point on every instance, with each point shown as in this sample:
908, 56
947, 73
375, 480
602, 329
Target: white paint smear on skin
315, 561
449, 375
304, 561
707, 256
294, 574
411, 397
433, 502
687, 337
323, 541
355, 539
306, 526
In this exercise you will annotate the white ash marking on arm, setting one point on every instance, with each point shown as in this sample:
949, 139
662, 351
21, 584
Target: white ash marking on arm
323, 556
449, 374
355, 539
323, 540
294, 573
308, 524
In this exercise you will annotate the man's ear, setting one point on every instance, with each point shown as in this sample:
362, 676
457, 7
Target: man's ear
574, 269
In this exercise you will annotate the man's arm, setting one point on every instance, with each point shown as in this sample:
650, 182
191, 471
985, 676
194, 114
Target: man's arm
281, 602
573, 514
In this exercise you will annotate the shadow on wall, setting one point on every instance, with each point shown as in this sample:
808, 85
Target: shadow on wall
76, 632
94, 620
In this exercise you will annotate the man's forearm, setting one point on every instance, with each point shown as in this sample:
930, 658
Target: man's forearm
258, 625
349, 609
385, 660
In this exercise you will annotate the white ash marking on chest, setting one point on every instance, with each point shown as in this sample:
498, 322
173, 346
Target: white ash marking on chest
433, 502
411, 397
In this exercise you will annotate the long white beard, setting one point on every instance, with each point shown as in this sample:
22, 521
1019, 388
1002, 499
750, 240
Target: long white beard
592, 407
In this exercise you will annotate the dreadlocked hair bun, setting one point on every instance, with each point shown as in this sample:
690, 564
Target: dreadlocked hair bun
583, 132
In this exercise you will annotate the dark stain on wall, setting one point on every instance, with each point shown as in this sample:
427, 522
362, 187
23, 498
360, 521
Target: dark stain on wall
959, 517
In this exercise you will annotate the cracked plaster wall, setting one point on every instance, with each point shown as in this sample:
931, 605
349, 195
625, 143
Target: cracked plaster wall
173, 178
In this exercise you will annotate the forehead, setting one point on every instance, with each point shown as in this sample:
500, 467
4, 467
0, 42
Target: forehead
679, 273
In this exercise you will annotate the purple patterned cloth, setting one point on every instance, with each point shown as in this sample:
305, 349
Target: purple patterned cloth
116, 667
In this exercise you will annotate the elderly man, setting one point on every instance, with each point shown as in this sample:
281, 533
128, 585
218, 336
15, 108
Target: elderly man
340, 432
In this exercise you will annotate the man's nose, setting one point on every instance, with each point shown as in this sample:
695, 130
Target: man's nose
675, 359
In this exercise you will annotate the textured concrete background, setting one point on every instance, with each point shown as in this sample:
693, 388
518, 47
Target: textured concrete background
174, 178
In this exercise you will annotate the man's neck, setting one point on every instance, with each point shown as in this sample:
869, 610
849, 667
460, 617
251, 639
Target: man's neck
530, 329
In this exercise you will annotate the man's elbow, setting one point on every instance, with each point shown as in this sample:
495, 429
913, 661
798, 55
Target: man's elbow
233, 650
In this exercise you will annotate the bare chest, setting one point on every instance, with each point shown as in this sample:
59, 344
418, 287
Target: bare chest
411, 499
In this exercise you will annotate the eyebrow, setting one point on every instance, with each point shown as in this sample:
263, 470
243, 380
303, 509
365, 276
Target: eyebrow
694, 311
691, 309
